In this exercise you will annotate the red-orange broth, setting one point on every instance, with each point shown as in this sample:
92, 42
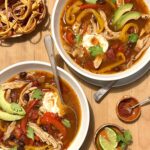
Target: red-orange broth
107, 62
43, 81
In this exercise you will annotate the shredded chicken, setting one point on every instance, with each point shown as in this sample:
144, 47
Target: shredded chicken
145, 16
146, 29
10, 129
13, 85
97, 62
45, 137
21, 101
2, 147
108, 33
78, 52
8, 92
142, 45
94, 25
76, 27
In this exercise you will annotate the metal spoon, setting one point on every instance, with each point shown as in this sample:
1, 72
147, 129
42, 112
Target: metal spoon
99, 95
130, 109
50, 51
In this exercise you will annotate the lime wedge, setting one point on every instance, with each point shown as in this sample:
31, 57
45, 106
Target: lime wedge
105, 144
112, 137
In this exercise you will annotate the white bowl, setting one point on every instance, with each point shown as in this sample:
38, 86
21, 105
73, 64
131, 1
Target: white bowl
55, 22
36, 65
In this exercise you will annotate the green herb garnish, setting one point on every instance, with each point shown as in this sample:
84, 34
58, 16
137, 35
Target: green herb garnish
114, 1
78, 38
66, 123
30, 133
124, 139
14, 148
133, 37
37, 94
96, 50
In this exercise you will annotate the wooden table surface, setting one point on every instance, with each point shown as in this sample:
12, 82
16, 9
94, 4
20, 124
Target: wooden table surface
31, 47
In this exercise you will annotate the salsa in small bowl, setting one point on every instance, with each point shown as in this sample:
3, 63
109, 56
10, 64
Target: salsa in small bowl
112, 137
123, 109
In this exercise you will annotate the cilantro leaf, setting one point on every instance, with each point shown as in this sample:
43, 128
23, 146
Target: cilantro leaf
30, 133
66, 123
124, 139
14, 148
127, 137
114, 1
91, 1
78, 38
37, 94
96, 50
123, 146
133, 37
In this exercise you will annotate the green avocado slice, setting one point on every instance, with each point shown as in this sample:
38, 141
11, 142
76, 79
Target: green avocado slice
120, 11
9, 117
11, 108
132, 15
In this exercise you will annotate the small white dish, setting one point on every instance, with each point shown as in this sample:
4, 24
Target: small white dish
8, 72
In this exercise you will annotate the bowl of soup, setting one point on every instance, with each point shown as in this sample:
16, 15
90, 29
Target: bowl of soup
102, 40
31, 116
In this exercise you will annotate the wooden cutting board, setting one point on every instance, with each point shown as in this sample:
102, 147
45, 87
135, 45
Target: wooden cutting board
31, 47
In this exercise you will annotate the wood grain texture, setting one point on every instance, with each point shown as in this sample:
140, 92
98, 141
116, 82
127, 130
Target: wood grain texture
31, 47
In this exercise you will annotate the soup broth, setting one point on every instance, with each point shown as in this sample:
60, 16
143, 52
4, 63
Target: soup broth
105, 37
41, 124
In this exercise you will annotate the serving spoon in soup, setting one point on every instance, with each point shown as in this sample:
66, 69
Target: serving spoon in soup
64, 108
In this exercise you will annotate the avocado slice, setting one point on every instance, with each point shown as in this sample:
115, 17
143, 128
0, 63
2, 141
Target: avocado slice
9, 117
120, 11
11, 108
91, 1
132, 15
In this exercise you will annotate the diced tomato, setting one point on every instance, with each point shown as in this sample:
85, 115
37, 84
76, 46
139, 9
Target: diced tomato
33, 115
37, 138
70, 37
23, 124
111, 54
49, 118
24, 121
17, 132
31, 105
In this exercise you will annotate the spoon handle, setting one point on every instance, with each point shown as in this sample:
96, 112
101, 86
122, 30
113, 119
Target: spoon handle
142, 103
50, 51
103, 91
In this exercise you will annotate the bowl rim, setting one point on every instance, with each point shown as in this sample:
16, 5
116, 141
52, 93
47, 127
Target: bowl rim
126, 120
102, 77
86, 128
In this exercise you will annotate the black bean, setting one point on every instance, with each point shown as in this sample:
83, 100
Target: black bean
131, 45
12, 137
14, 96
26, 97
44, 128
21, 145
20, 148
101, 1
23, 75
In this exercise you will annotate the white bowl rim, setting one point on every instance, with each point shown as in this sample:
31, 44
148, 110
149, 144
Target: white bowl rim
88, 74
86, 128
